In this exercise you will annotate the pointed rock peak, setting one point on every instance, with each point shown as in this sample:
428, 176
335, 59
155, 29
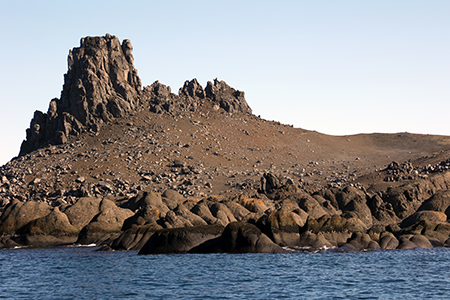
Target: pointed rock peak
101, 83
192, 89
226, 97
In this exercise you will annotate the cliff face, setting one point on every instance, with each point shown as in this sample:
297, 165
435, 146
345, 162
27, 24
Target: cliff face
102, 84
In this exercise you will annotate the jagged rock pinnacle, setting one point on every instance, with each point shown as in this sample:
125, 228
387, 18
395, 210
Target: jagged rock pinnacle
102, 84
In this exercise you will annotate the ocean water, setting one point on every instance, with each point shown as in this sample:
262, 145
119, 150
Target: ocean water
82, 273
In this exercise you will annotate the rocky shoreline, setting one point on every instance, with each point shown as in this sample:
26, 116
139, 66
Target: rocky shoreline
273, 220
132, 168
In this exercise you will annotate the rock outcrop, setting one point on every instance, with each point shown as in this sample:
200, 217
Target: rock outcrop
192, 97
102, 84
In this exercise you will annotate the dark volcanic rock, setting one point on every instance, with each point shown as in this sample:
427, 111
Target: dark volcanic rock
55, 223
159, 98
438, 202
246, 238
18, 214
430, 216
101, 84
352, 200
283, 228
134, 238
108, 223
83, 211
226, 97
180, 240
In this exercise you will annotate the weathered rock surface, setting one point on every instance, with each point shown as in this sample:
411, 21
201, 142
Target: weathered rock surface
134, 238
239, 237
18, 214
101, 84
55, 223
180, 240
283, 228
83, 211
105, 225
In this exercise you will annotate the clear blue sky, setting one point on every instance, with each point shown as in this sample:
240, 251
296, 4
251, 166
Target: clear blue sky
338, 67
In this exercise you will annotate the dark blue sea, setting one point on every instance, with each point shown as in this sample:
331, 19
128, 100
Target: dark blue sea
82, 273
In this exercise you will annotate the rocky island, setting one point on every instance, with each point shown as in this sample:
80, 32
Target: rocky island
128, 167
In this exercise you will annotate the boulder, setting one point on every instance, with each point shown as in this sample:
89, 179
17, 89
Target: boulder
352, 202
172, 220
83, 211
134, 238
180, 240
18, 214
314, 240
421, 241
146, 199
254, 205
195, 220
360, 241
240, 213
406, 199
325, 204
55, 223
241, 237
142, 217
375, 231
438, 202
388, 241
105, 225
282, 227
222, 213
6, 242
436, 238
172, 198
373, 245
382, 211
336, 230
424, 215
405, 243
311, 206
270, 183
201, 209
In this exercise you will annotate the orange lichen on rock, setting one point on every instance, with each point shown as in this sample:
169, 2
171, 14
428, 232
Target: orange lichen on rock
254, 205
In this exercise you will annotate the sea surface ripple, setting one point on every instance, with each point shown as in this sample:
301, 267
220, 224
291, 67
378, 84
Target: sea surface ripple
82, 273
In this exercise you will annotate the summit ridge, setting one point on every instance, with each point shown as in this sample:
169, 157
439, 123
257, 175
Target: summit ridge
102, 84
